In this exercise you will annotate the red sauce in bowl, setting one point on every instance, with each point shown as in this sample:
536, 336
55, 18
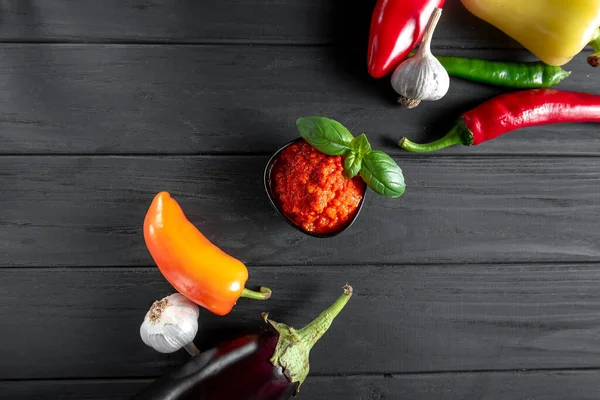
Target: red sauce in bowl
312, 191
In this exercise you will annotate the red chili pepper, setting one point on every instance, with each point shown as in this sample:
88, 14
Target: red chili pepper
397, 26
511, 111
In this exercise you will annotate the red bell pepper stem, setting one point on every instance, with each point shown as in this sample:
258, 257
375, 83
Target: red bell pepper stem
511, 111
594, 59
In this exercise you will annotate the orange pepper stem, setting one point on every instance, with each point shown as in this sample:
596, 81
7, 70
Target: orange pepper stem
594, 59
264, 294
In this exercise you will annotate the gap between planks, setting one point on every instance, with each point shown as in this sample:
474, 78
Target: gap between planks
236, 42
318, 375
590, 264
406, 155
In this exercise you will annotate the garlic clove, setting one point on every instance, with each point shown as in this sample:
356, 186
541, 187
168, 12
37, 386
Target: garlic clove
170, 324
421, 77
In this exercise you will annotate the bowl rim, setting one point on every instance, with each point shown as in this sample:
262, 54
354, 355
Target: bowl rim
270, 195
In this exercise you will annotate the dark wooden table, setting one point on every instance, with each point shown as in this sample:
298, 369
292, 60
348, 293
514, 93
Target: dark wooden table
481, 282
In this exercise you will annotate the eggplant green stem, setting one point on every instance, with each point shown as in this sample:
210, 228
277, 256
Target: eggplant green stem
312, 332
452, 138
293, 346
264, 294
594, 59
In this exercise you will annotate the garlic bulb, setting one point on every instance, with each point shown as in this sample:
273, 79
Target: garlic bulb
170, 324
421, 77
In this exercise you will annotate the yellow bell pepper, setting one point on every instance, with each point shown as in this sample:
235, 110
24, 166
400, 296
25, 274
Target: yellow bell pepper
555, 31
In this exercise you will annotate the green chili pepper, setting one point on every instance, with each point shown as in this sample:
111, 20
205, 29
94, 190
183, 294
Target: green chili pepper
525, 75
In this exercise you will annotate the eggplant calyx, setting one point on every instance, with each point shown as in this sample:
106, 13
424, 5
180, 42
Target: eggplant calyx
293, 346
291, 354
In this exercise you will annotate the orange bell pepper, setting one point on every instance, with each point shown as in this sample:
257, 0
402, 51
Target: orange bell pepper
195, 267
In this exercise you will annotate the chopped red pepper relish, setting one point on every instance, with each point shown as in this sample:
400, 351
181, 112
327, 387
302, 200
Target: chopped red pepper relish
312, 191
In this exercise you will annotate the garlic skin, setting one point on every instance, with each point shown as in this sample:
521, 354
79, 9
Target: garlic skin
421, 77
170, 324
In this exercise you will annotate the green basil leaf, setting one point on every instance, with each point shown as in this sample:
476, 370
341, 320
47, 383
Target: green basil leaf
352, 164
361, 145
326, 135
382, 174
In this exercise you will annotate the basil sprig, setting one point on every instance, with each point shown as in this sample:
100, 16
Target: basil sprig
379, 171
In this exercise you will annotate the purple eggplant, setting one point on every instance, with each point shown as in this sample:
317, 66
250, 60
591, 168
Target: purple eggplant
268, 365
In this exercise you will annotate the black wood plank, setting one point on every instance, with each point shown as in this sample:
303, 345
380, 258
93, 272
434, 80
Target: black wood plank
59, 99
89, 211
249, 21
544, 385
84, 323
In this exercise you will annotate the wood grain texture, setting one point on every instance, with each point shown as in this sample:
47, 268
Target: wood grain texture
551, 385
89, 211
490, 263
123, 99
248, 21
84, 323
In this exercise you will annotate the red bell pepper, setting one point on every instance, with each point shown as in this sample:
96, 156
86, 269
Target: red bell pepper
397, 26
